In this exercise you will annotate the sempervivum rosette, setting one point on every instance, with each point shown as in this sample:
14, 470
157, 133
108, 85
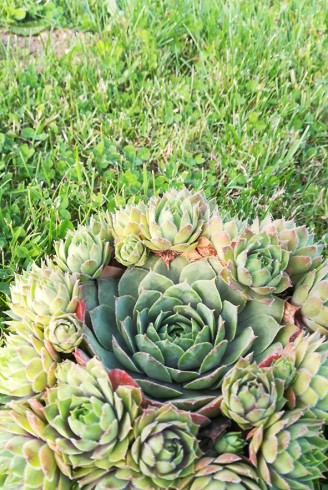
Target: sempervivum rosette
230, 442
175, 221
165, 447
175, 329
26, 460
256, 264
130, 250
43, 292
90, 424
308, 382
221, 233
305, 254
83, 253
290, 451
126, 221
251, 394
64, 332
28, 362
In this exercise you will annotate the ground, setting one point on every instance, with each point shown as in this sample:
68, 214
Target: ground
29, 47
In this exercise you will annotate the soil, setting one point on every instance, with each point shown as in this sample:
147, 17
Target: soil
59, 41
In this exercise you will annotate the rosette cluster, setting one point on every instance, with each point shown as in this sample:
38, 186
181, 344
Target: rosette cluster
166, 347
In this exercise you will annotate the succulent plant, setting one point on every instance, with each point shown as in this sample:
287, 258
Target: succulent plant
26, 461
83, 253
42, 293
126, 221
28, 362
230, 442
90, 423
131, 251
227, 472
305, 255
64, 332
251, 394
176, 330
165, 446
256, 265
174, 221
311, 295
308, 388
189, 341
290, 451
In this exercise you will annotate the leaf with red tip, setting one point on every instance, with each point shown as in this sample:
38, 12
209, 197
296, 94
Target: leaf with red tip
212, 409
228, 458
119, 377
295, 335
80, 310
269, 360
251, 433
149, 402
112, 271
199, 419
81, 357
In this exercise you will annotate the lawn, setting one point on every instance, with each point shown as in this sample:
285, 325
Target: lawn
228, 96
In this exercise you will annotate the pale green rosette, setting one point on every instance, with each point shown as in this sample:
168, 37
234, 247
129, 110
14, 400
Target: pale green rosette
64, 332
26, 460
174, 221
308, 387
43, 292
305, 254
289, 452
165, 446
130, 251
83, 253
256, 265
126, 221
90, 423
251, 394
28, 362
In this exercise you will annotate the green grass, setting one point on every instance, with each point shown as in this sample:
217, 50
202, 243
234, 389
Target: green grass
226, 96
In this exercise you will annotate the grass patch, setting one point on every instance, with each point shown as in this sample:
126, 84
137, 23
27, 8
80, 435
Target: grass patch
226, 96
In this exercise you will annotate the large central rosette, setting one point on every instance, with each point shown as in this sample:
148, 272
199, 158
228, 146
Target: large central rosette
176, 330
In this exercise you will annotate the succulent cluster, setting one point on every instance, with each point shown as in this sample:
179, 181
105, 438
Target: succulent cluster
165, 347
